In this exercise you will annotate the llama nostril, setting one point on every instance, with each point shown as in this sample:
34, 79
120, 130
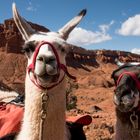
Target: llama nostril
46, 60
40, 58
127, 99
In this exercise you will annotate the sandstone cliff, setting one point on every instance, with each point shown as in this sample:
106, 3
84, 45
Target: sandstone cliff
91, 94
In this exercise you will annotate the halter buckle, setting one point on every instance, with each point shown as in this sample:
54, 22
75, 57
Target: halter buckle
134, 120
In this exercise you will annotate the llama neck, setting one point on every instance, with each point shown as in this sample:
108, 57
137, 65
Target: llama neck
54, 125
124, 126
55, 122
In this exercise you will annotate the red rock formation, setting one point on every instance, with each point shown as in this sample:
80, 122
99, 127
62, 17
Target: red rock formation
11, 42
92, 68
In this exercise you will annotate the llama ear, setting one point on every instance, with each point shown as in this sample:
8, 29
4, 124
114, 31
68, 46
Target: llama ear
25, 29
67, 28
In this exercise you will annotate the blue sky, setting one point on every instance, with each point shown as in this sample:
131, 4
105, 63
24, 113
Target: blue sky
109, 24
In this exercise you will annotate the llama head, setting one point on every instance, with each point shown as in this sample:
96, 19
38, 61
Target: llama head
127, 92
45, 51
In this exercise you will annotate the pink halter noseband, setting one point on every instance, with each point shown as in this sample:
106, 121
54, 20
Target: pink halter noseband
60, 66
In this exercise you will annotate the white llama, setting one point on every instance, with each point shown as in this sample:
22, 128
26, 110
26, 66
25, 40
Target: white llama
45, 77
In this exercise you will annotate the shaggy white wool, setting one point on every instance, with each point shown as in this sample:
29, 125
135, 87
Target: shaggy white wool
6, 96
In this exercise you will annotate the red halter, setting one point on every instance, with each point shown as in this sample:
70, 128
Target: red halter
60, 66
133, 76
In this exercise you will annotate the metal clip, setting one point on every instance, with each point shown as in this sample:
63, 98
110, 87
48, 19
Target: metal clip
45, 98
134, 121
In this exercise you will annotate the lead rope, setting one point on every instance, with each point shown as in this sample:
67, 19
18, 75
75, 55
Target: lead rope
44, 104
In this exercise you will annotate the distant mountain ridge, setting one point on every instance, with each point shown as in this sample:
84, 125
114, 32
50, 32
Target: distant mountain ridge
11, 42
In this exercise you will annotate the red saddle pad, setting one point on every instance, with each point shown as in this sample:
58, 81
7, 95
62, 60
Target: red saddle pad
10, 118
80, 119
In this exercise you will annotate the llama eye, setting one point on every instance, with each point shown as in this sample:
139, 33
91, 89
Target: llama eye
29, 48
27, 51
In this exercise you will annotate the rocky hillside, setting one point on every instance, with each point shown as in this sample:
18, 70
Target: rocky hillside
91, 93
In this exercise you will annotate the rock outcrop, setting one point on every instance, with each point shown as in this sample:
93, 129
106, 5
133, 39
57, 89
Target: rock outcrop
11, 42
93, 68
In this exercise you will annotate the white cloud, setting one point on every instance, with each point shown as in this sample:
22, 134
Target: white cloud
31, 7
82, 37
130, 27
136, 50
105, 27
